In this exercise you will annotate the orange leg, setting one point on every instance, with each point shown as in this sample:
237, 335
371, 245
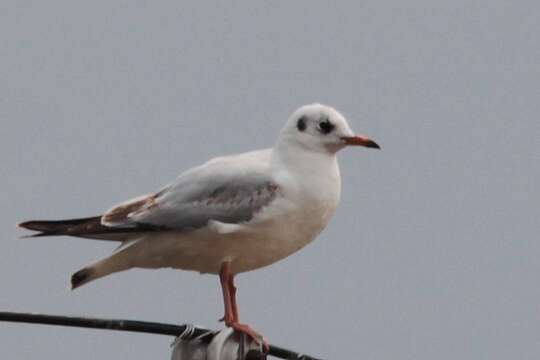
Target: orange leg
231, 311
224, 275
232, 290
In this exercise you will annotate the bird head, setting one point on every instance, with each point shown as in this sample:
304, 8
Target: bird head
322, 128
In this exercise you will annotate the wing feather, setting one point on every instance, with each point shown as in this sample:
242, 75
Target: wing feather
228, 189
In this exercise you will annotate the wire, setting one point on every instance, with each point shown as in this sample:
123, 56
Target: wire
133, 326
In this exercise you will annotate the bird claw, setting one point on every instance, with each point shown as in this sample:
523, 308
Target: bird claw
255, 336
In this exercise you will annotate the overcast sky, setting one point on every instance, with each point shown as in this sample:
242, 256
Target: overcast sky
434, 250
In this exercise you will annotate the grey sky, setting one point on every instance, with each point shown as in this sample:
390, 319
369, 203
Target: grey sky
433, 252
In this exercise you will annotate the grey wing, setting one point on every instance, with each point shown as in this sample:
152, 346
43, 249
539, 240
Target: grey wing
197, 198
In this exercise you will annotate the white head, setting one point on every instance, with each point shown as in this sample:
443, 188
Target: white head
321, 128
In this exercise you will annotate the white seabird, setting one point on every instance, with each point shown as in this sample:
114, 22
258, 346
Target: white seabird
230, 215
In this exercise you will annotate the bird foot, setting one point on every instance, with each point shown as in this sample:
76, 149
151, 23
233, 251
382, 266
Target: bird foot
246, 329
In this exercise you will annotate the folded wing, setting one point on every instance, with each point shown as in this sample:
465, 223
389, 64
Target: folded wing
228, 189
223, 189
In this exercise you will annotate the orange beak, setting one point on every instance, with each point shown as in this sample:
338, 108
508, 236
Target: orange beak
360, 141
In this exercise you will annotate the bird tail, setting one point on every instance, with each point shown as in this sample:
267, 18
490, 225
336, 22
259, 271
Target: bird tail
83, 276
118, 261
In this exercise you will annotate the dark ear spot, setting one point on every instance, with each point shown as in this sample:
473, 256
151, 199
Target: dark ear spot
326, 126
301, 124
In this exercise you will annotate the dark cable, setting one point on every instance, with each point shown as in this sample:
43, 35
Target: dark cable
130, 325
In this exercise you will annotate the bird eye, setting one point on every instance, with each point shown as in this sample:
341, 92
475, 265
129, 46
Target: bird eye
301, 124
326, 126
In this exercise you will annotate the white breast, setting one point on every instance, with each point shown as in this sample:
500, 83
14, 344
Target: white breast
309, 197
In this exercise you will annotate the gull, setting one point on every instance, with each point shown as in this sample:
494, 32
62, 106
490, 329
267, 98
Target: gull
230, 215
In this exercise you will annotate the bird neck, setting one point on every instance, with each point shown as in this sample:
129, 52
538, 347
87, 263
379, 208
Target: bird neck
318, 168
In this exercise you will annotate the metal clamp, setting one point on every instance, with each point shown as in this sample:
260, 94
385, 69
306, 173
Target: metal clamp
225, 345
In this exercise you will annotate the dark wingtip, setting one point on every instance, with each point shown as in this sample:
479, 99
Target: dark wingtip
31, 236
27, 225
80, 278
24, 225
35, 225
